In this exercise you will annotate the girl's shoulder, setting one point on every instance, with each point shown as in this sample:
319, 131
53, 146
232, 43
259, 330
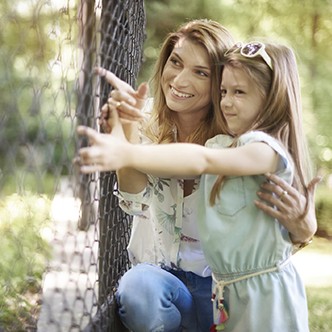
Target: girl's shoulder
225, 141
256, 136
285, 161
260, 136
250, 137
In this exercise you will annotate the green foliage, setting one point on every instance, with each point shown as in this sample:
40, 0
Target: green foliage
304, 25
319, 296
35, 91
38, 51
324, 212
24, 256
28, 181
320, 308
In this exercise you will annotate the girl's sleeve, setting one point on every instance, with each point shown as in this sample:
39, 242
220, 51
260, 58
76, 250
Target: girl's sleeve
285, 167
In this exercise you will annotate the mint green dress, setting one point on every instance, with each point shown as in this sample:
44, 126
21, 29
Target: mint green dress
239, 240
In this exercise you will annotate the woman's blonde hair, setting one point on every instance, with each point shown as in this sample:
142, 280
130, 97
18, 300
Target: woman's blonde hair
281, 116
215, 39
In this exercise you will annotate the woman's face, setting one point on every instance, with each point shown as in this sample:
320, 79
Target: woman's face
241, 100
186, 79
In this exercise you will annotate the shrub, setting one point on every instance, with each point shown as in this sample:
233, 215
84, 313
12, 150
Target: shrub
24, 256
324, 212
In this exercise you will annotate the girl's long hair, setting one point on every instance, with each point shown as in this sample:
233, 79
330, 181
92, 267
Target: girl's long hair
281, 116
215, 39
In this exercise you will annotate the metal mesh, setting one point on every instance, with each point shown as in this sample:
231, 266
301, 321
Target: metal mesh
47, 92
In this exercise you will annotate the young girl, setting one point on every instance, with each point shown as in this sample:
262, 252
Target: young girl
255, 285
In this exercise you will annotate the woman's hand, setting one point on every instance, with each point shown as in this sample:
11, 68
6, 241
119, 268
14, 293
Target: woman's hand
127, 103
285, 203
124, 99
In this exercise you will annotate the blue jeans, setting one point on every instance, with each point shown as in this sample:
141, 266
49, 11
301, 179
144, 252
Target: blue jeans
152, 299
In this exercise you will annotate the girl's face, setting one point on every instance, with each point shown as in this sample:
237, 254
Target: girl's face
241, 100
186, 79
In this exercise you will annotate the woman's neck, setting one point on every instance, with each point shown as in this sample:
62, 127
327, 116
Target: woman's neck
186, 125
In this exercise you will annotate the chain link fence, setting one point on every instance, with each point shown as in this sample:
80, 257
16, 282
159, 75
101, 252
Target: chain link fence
48, 51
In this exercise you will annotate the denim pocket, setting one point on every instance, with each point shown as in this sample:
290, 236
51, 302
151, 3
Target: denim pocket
232, 196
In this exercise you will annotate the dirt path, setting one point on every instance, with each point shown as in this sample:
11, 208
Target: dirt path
70, 286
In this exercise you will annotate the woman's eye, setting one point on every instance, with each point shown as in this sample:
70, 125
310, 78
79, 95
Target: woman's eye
239, 92
223, 93
174, 61
202, 73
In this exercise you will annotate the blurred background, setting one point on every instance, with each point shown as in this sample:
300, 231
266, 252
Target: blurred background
40, 66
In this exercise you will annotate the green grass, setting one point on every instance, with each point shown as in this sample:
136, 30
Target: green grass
24, 254
320, 245
324, 211
320, 298
320, 309
24, 181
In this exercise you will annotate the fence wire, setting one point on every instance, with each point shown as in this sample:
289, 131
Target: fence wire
48, 50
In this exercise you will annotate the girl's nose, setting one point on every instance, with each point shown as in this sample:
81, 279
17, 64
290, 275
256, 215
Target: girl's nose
226, 100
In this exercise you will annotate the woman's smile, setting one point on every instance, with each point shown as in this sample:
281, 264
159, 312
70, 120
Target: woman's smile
180, 94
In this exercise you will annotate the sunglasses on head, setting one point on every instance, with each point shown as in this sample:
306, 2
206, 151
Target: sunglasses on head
251, 50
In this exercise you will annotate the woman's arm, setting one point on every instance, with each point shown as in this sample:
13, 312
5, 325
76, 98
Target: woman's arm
290, 209
128, 103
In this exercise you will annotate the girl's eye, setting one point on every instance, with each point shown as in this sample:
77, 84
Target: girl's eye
223, 93
239, 92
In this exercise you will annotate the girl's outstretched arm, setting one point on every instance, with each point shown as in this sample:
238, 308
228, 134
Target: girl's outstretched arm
183, 160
